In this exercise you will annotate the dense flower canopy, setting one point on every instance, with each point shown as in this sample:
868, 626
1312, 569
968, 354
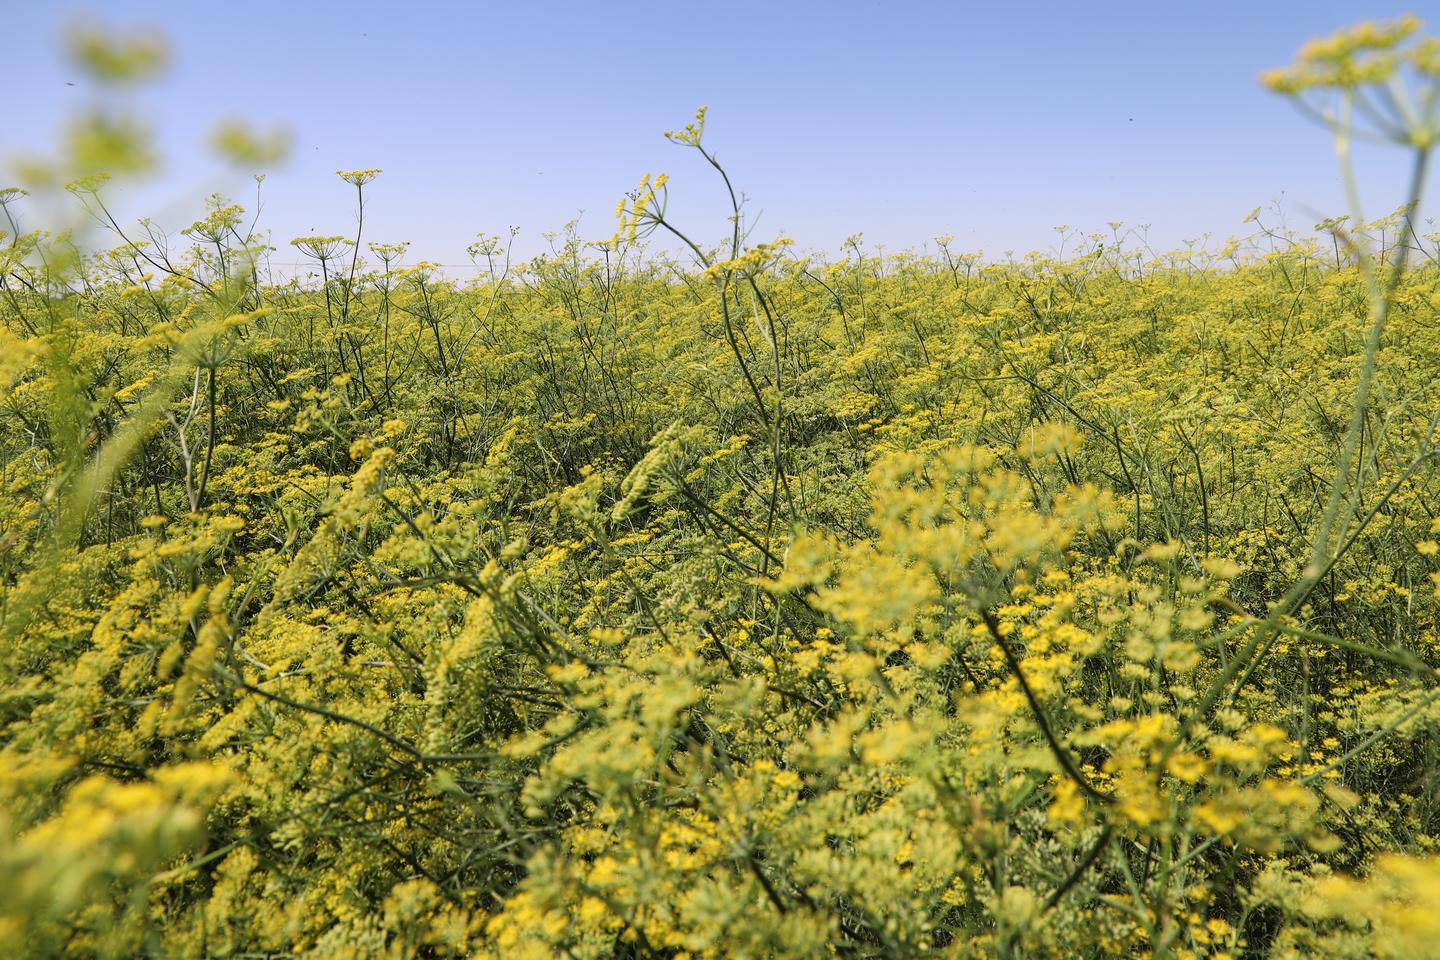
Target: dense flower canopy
897, 605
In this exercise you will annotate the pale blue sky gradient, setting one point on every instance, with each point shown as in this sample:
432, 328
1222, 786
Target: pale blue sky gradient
994, 122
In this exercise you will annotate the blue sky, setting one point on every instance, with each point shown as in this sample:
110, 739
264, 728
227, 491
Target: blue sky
994, 122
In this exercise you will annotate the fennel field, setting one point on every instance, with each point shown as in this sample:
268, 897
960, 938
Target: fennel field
725, 603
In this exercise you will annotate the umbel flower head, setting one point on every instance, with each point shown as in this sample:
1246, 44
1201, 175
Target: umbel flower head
642, 209
358, 178
692, 132
220, 219
1385, 76
321, 248
117, 59
389, 252
238, 142
1362, 54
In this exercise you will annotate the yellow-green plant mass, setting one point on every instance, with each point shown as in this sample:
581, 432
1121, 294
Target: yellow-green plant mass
733, 606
